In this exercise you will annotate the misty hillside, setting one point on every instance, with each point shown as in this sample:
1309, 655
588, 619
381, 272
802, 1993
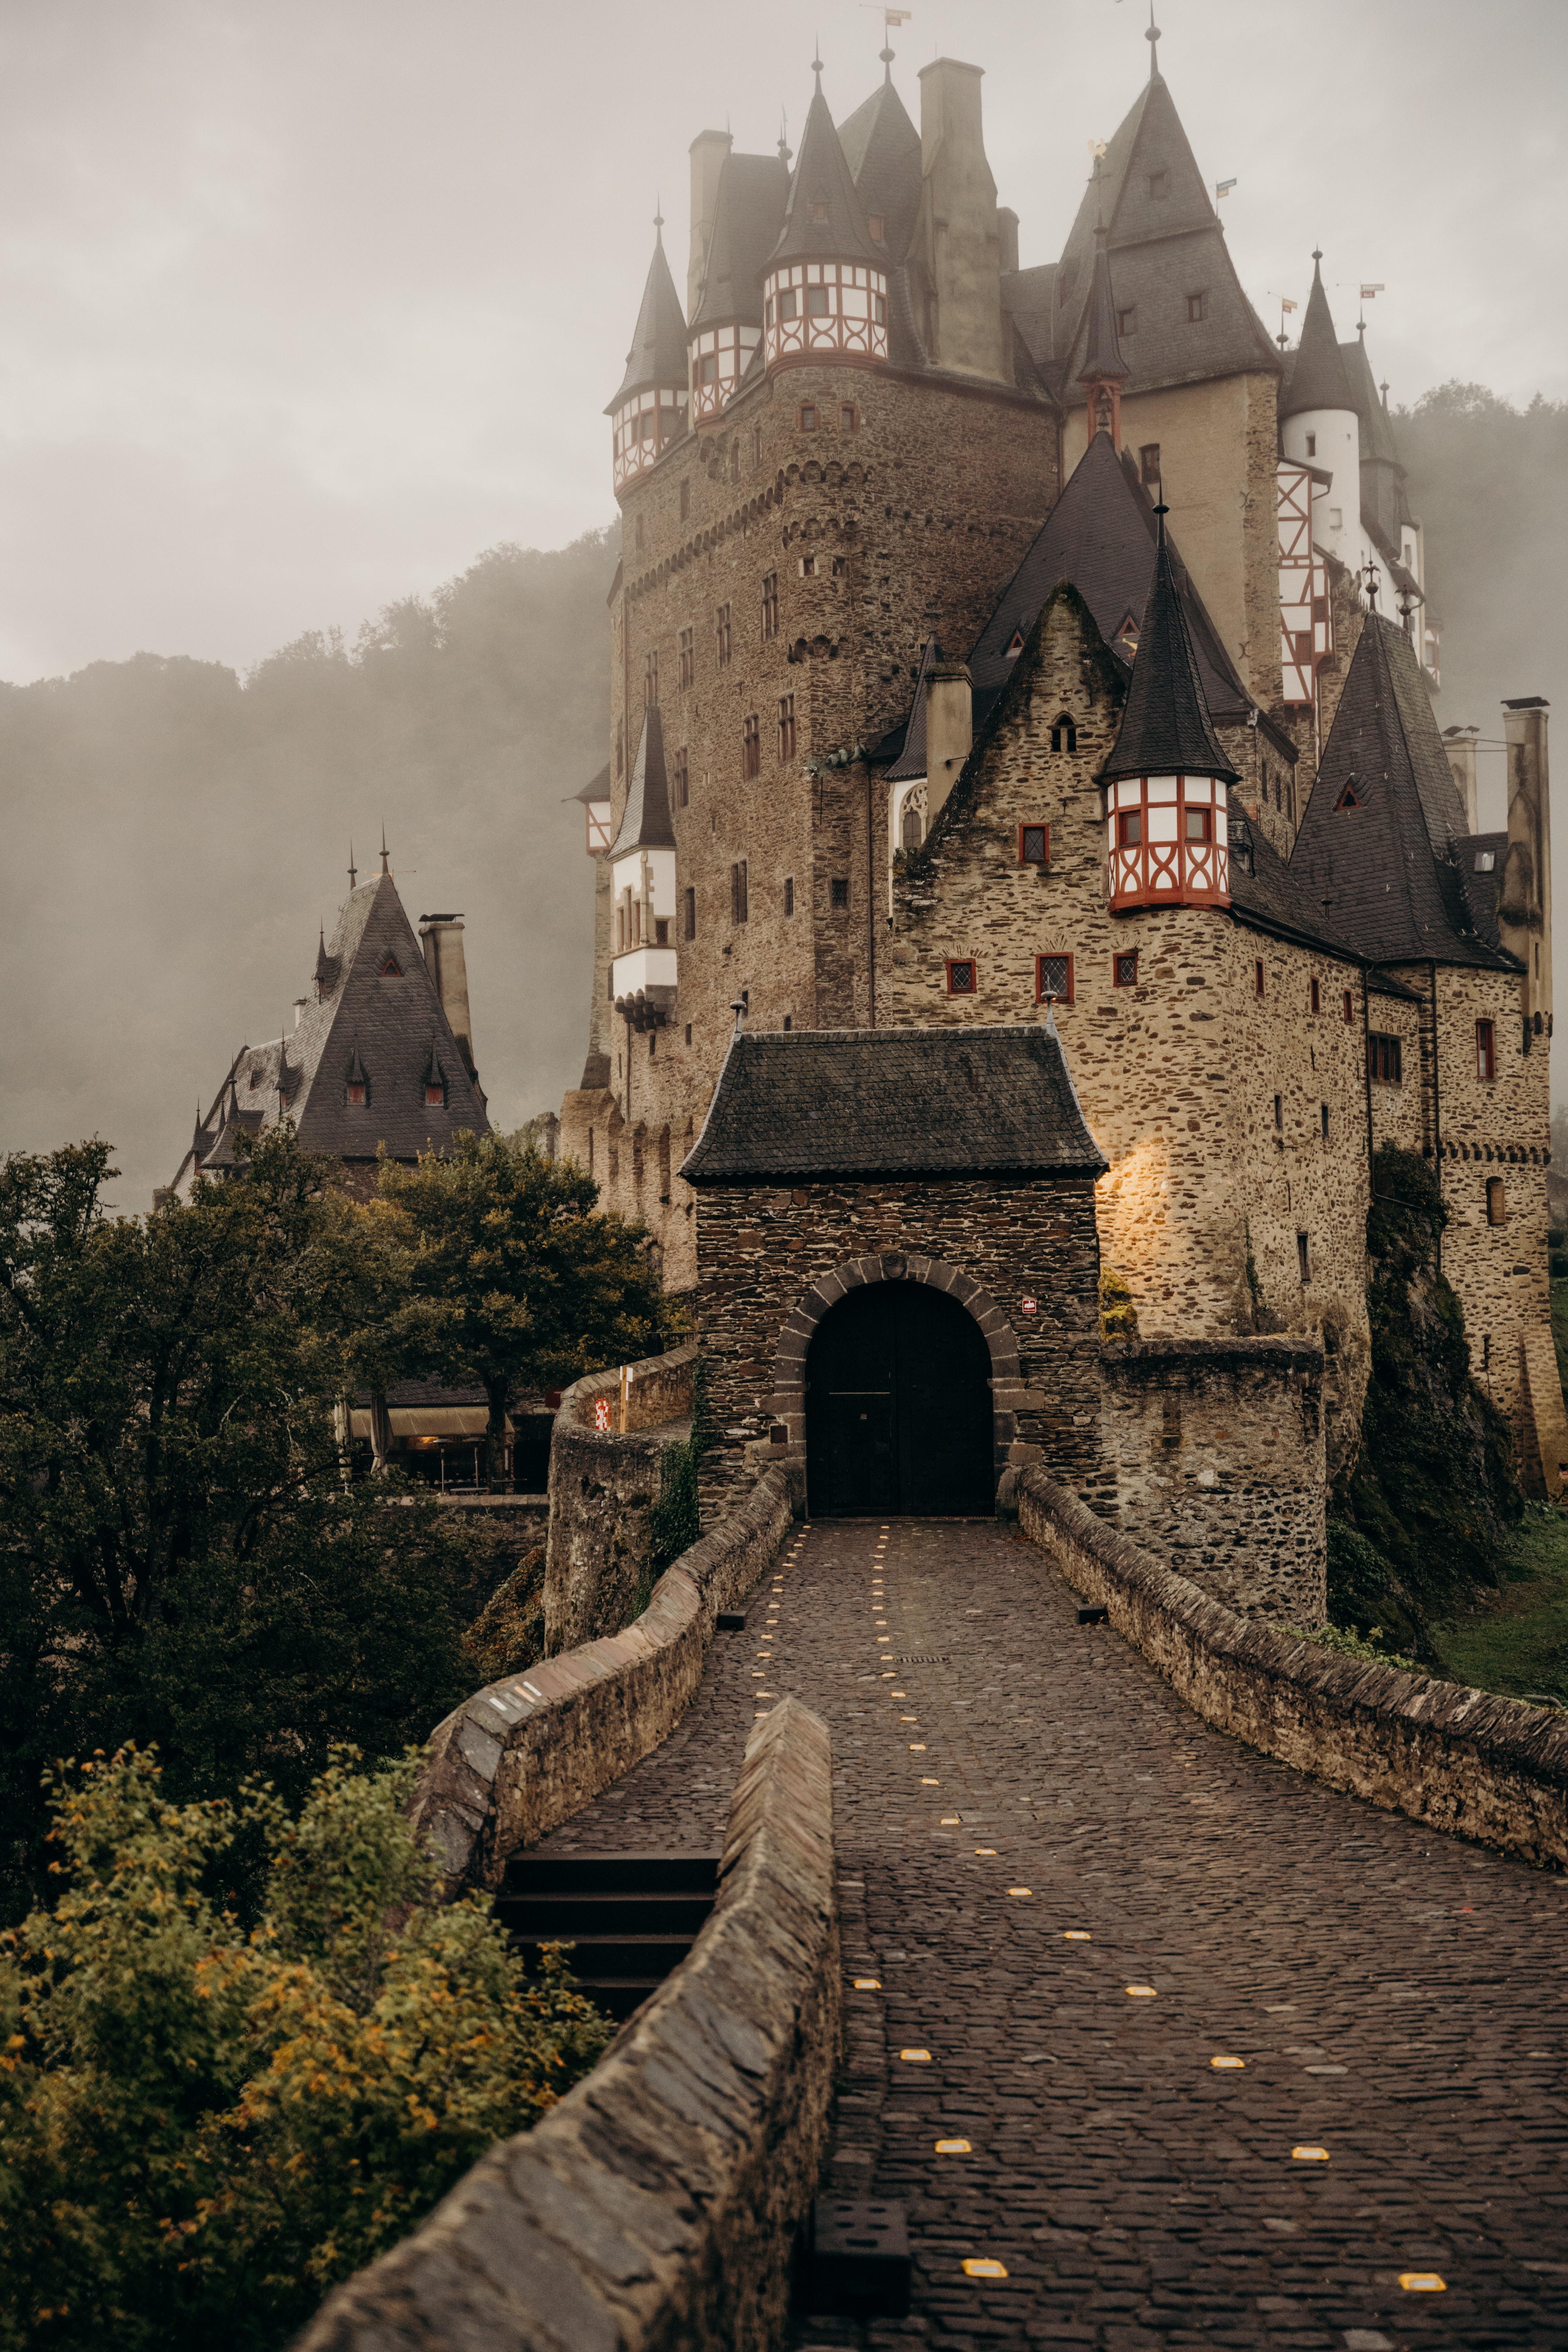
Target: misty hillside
176, 834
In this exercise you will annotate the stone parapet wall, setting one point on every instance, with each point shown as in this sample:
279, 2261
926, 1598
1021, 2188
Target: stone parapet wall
603, 1485
1212, 1457
654, 2209
1479, 1766
519, 1757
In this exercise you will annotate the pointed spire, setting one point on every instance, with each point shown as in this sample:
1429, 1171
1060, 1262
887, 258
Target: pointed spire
1165, 729
1317, 379
435, 1076
645, 821
656, 359
824, 218
1103, 370
357, 1067
1152, 38
354, 871
385, 867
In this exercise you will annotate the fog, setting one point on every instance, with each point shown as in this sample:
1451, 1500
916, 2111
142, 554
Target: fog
306, 307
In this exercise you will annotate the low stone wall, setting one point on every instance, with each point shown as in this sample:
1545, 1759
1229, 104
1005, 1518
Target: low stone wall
603, 1484
520, 1756
1481, 1766
1212, 1455
654, 2209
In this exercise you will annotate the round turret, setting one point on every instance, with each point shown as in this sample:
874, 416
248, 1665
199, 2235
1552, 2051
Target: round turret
1319, 426
649, 411
824, 292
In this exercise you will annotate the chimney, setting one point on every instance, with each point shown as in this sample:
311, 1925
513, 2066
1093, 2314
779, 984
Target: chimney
957, 241
300, 1005
1008, 238
1524, 907
708, 150
1459, 742
441, 937
949, 730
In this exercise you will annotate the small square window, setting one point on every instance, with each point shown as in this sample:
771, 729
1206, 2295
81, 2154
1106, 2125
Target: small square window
808, 567
838, 891
1033, 845
357, 1093
1158, 186
1149, 465
1053, 979
808, 417
819, 210
817, 305
962, 977
1124, 970
434, 1094
1198, 308
841, 567
1127, 321
848, 417
876, 227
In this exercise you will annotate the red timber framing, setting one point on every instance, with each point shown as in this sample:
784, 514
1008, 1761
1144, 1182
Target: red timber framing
1168, 842
1306, 632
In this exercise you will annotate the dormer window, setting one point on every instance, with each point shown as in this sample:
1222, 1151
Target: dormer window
356, 1094
390, 969
877, 227
1485, 861
1127, 321
1014, 644
434, 1094
819, 210
1197, 307
1158, 186
1127, 634
1350, 798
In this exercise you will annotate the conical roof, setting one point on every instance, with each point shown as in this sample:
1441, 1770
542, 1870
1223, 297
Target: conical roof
1318, 378
824, 219
644, 822
1102, 360
1165, 729
658, 355
882, 149
747, 212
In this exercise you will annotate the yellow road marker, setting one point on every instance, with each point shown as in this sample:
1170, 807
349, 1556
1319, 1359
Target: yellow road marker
1020, 1890
1077, 1936
915, 2057
1227, 2062
867, 1984
1422, 2283
1141, 1993
953, 2148
974, 2268
1308, 2155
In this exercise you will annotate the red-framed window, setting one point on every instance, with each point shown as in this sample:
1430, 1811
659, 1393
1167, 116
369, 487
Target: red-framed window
1486, 1050
963, 976
1053, 978
1317, 993
357, 1094
1258, 982
1033, 845
1124, 967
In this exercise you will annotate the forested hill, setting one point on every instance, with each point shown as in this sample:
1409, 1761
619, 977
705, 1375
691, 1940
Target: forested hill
174, 836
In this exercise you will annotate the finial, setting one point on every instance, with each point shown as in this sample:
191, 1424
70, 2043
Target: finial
384, 868
1161, 511
1372, 583
1317, 254
1152, 38
658, 218
1382, 387
1282, 339
738, 1007
887, 58
817, 60
783, 136
354, 870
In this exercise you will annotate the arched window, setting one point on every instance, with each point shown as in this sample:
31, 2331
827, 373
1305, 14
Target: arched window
1064, 734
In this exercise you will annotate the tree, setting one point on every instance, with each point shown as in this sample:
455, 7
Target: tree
182, 1559
517, 1283
202, 2127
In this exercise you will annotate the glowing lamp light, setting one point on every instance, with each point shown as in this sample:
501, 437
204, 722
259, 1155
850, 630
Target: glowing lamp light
953, 2148
1309, 2156
950, 1820
974, 2267
1020, 1890
1422, 2283
928, 1782
917, 1747
915, 2057
867, 1984
1140, 1992
1077, 1936
985, 1849
1227, 2062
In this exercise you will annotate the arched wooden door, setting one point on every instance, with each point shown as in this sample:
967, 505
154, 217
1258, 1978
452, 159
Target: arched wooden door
899, 1409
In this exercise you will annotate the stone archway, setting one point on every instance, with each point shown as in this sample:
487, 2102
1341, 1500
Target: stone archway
801, 1326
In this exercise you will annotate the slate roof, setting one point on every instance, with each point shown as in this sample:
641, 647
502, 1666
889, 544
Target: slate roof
746, 216
882, 149
970, 1101
597, 790
1162, 248
1392, 867
1165, 726
1318, 377
658, 355
1266, 891
1102, 359
823, 181
911, 759
1483, 890
394, 1025
645, 821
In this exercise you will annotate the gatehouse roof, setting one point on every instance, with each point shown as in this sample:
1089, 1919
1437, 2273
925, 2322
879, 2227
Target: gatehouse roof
975, 1100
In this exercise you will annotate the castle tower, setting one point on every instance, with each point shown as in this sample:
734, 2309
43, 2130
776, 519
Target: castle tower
641, 860
649, 412
1319, 426
727, 323
1104, 372
825, 297
1166, 818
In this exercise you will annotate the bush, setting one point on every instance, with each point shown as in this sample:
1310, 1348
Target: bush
1118, 1315
205, 2128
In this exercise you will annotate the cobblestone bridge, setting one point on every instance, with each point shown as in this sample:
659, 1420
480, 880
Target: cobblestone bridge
1074, 1898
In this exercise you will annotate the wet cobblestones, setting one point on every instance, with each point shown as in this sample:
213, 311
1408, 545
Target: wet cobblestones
1032, 1823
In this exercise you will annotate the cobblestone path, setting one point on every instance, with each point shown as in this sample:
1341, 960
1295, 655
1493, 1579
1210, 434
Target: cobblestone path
1031, 1827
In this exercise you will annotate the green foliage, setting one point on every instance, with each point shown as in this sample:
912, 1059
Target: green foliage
1426, 1509
515, 1281
508, 1632
1517, 1642
185, 1561
1351, 1646
1118, 1315
674, 1523
205, 2128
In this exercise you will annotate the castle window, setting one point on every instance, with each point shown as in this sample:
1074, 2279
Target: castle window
682, 776
650, 681
1317, 993
1486, 1051
819, 209
816, 302
1349, 798
848, 417
786, 727
1149, 465
1350, 1012
434, 1094
1053, 979
1033, 845
841, 567
1064, 734
786, 306
1324, 1118
808, 567
685, 498
661, 930
689, 658
1302, 1259
707, 369
1258, 982
391, 969
757, 446
620, 745
1014, 644
808, 417
1382, 1061
1158, 186
735, 458
1485, 861
1128, 632
1129, 828
751, 748
876, 227
721, 636
770, 607
688, 1039
689, 924
789, 894
789, 1021
1124, 970
962, 977
738, 912
1311, 445
356, 1093
838, 891
911, 825
1497, 1202
1197, 825
1197, 306
1126, 320
1279, 1114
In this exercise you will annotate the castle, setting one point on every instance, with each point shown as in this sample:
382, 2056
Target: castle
997, 646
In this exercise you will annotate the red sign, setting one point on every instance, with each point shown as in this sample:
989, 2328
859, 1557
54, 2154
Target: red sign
1029, 1305
601, 1412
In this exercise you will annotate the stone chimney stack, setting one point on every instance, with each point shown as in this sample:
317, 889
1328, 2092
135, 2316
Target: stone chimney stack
1524, 907
441, 937
956, 251
1007, 237
1459, 742
708, 150
949, 730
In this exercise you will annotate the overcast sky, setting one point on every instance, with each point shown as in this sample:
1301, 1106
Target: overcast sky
304, 302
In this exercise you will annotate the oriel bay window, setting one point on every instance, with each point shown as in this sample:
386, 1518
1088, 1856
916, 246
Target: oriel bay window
827, 306
1169, 841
